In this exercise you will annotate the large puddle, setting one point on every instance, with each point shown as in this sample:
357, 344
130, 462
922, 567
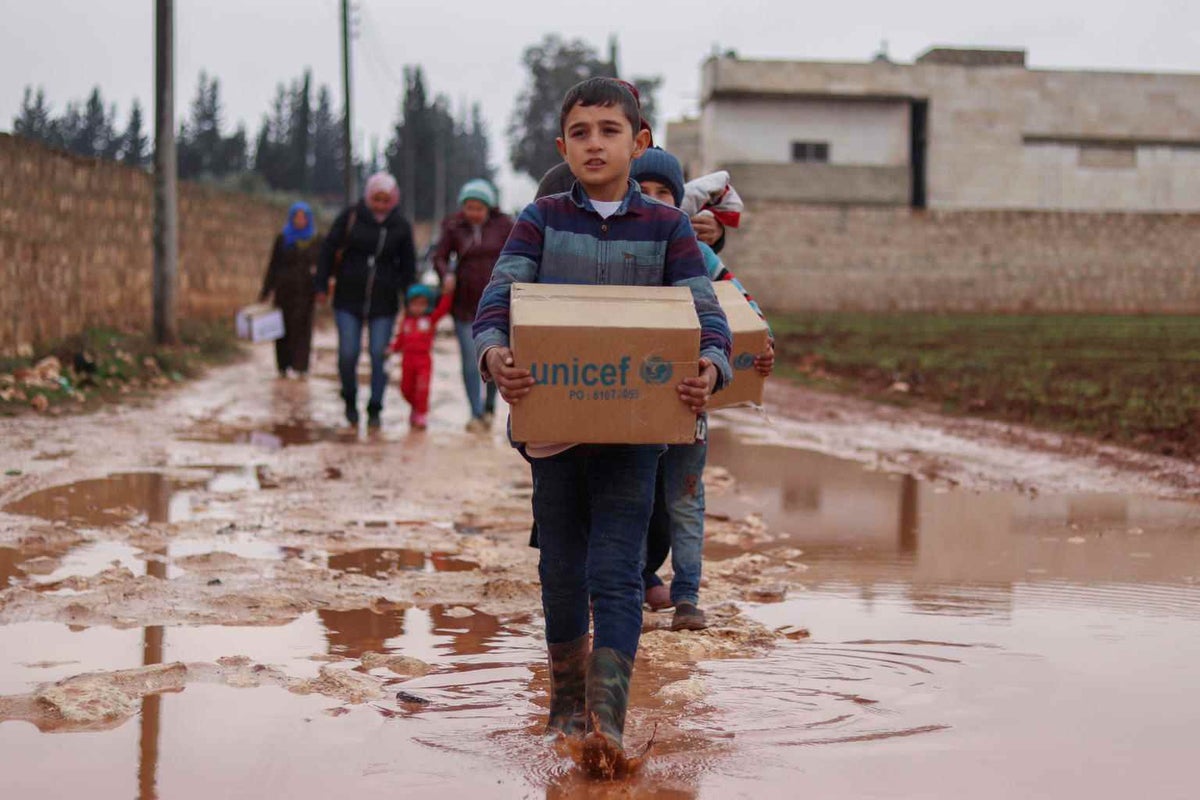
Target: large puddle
133, 498
963, 645
123, 498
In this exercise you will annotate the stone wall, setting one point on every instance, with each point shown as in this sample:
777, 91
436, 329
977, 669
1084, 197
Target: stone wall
799, 257
810, 182
75, 246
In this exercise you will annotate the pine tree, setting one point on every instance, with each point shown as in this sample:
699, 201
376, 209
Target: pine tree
234, 155
326, 146
199, 137
271, 153
68, 128
299, 134
426, 135
34, 120
89, 133
135, 144
203, 150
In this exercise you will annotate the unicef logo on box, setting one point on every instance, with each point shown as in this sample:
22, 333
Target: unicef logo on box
656, 371
744, 361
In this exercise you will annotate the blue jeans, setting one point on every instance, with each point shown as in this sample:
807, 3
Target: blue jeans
472, 381
683, 491
379, 336
592, 505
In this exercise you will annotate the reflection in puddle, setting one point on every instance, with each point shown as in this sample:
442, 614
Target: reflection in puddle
436, 634
270, 437
41, 570
87, 560
130, 497
481, 684
866, 527
382, 561
11, 560
234, 479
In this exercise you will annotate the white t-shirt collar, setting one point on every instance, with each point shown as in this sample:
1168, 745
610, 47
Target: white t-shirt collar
606, 208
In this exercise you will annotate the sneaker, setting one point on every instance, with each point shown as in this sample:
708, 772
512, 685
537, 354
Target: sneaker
658, 597
418, 422
688, 618
373, 419
352, 416
488, 418
477, 425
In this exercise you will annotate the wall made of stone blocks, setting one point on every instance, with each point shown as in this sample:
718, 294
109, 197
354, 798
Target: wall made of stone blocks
798, 257
76, 250
76, 246
833, 184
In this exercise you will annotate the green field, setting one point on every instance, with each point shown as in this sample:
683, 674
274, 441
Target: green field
1132, 379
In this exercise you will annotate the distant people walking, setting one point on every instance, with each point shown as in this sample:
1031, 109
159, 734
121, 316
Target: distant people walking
289, 279
369, 255
474, 235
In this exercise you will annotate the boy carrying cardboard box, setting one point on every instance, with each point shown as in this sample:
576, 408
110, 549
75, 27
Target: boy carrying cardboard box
592, 502
678, 525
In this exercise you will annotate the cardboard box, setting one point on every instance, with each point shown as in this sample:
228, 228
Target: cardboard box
259, 323
750, 338
607, 360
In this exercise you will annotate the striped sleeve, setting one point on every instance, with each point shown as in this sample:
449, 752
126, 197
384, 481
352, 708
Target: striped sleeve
719, 272
518, 263
685, 267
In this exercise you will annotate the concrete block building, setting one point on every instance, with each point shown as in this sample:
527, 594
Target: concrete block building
965, 181
959, 128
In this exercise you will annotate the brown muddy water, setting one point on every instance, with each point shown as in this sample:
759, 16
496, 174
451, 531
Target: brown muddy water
963, 644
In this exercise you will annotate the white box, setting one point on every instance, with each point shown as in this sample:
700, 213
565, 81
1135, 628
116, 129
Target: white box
259, 323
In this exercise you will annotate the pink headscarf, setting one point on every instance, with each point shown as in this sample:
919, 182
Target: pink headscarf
383, 182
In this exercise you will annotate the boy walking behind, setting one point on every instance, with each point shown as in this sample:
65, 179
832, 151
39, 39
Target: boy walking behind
592, 503
681, 469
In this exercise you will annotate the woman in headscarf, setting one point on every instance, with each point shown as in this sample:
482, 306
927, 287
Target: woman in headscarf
475, 235
369, 255
290, 279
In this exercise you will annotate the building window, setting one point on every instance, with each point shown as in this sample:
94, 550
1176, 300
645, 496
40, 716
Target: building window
811, 151
1108, 156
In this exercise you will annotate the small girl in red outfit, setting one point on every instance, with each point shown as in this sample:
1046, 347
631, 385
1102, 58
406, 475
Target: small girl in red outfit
414, 341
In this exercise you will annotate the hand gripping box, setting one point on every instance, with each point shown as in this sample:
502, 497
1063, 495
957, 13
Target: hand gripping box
607, 361
259, 323
750, 338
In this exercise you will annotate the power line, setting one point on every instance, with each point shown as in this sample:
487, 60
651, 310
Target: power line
377, 48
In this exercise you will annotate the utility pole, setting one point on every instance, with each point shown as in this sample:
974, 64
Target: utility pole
347, 148
166, 206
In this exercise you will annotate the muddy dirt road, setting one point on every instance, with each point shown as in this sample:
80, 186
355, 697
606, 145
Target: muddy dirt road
220, 592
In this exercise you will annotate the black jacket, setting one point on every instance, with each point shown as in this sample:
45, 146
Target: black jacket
385, 279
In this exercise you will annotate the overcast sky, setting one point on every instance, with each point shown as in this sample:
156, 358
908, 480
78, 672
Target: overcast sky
471, 49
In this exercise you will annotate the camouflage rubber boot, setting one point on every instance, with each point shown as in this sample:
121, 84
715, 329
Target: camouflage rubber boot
568, 677
608, 676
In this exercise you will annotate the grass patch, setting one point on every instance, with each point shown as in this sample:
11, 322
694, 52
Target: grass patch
1131, 379
102, 364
